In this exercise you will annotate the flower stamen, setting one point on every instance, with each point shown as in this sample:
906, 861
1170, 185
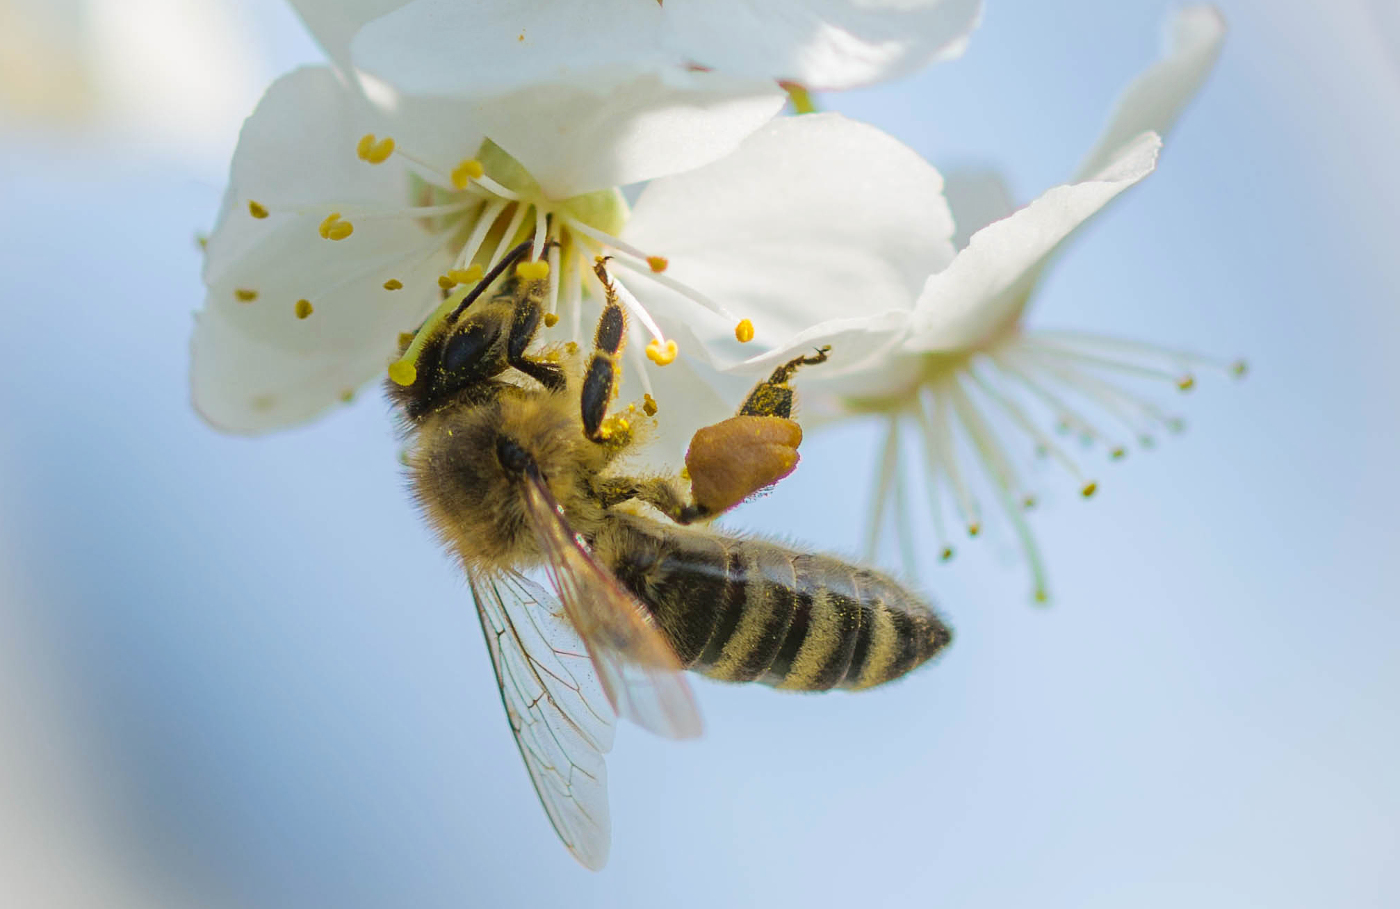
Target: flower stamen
372, 150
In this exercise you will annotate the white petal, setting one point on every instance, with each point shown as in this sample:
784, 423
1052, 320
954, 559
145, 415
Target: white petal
986, 287
574, 140
1157, 97
297, 152
821, 44
257, 367
333, 23
977, 198
493, 47
813, 218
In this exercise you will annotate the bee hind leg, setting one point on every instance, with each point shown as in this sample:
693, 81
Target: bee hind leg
657, 492
773, 396
745, 454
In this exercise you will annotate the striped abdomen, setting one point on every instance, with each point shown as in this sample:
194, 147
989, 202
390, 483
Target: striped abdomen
749, 610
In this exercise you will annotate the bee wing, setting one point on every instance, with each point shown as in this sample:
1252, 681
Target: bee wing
639, 670
559, 713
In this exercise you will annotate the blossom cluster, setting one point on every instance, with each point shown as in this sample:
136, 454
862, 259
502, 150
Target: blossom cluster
442, 133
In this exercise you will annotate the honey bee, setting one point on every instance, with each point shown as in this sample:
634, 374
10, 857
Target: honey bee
512, 459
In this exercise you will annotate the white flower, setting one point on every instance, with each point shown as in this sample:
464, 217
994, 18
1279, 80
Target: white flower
343, 223
420, 45
947, 353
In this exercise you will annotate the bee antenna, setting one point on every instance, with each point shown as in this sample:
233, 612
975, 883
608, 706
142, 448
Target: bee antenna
490, 278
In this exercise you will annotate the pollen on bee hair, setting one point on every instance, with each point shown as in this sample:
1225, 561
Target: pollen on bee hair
333, 228
373, 150
245, 295
256, 209
662, 355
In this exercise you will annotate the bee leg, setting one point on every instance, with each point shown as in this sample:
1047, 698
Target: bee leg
773, 397
745, 454
600, 378
524, 324
657, 492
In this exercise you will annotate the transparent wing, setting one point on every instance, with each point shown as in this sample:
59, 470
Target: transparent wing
640, 672
561, 717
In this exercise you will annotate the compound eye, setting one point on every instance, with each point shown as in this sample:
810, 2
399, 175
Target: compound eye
467, 353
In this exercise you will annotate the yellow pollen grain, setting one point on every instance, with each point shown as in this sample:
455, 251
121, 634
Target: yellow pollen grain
685, 473
974, 529
347, 395
649, 405
405, 338
1089, 489
532, 271
393, 284
550, 320
657, 263
463, 174
466, 275
335, 229
1239, 369
1118, 453
946, 554
660, 355
245, 295
1186, 382
375, 151
744, 331
257, 209
303, 308
403, 373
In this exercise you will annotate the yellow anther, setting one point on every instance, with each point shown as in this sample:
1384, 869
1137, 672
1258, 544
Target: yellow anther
347, 395
532, 271
405, 339
202, 241
550, 320
1118, 453
946, 554
393, 284
1027, 503
303, 308
463, 174
375, 152
744, 331
466, 275
1041, 596
245, 295
662, 355
256, 209
657, 263
649, 405
1089, 489
335, 229
1186, 382
446, 282
1239, 368
974, 529
403, 372
572, 348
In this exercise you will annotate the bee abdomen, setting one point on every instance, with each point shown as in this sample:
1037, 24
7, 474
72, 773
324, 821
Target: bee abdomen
748, 610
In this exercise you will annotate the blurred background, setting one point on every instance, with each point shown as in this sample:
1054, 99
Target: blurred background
240, 673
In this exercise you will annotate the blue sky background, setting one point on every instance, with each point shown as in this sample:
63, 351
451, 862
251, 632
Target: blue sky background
240, 673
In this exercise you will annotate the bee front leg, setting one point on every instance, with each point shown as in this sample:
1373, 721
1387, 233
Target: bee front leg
525, 323
600, 378
733, 459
